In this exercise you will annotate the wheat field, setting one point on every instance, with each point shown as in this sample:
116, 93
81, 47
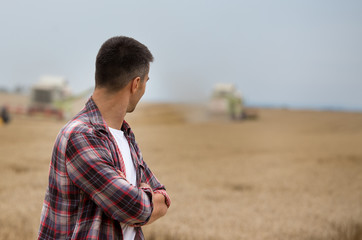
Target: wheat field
293, 175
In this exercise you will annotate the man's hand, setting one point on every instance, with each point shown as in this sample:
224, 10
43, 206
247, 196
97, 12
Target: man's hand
122, 175
159, 207
145, 185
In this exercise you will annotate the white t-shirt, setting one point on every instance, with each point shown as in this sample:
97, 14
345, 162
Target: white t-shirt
128, 232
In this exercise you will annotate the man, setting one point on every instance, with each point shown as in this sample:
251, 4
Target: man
99, 185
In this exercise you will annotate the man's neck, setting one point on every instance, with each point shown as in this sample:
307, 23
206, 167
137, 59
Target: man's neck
113, 106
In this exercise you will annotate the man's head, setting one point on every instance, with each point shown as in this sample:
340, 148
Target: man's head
119, 61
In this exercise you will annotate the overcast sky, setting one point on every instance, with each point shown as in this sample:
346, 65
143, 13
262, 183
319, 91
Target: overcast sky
290, 53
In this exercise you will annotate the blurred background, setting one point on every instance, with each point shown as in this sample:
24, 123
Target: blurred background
256, 106
280, 53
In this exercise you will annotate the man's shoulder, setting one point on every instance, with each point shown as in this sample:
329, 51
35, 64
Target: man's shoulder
88, 122
80, 124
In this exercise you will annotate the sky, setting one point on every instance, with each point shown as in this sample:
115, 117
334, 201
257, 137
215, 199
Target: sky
297, 54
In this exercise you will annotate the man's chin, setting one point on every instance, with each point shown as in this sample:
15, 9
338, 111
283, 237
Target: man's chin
131, 109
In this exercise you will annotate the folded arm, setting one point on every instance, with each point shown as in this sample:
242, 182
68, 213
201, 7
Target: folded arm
161, 200
159, 205
90, 167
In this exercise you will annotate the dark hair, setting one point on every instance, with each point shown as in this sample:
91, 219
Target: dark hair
119, 60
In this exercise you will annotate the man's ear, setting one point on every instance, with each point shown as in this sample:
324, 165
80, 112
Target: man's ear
135, 84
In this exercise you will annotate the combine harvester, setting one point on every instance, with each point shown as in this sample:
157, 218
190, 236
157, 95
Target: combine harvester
226, 100
51, 97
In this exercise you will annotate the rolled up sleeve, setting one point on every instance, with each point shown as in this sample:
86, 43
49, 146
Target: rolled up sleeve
155, 184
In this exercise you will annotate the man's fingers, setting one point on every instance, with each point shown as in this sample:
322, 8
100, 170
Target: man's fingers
145, 185
121, 174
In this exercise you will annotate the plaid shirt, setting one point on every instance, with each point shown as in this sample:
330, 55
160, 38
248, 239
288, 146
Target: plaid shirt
86, 198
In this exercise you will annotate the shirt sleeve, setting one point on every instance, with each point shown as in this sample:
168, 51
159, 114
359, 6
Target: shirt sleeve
156, 186
91, 168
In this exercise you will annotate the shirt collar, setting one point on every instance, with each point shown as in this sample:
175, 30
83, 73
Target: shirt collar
126, 128
95, 116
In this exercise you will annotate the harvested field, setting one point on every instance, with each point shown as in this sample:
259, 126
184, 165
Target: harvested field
287, 175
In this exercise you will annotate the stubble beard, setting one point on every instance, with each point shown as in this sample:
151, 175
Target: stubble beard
130, 109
